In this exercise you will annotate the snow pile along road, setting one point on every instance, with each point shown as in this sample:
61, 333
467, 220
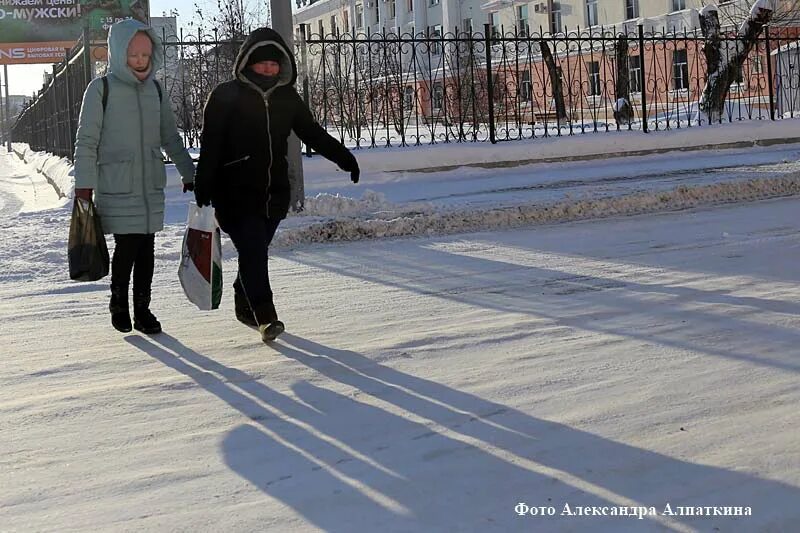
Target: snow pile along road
442, 223
414, 204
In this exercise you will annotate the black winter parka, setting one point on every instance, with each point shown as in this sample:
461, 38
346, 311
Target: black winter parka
243, 166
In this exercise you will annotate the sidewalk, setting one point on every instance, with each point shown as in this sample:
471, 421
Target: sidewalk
429, 384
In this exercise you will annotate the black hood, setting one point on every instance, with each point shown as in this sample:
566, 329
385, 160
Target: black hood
263, 37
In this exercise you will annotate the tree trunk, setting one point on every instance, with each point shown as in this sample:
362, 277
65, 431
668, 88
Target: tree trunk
555, 79
623, 111
724, 59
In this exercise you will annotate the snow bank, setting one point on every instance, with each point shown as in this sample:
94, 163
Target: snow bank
428, 224
57, 170
336, 205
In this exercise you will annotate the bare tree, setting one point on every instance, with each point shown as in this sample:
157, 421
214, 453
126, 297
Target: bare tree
623, 111
724, 56
732, 14
555, 81
217, 29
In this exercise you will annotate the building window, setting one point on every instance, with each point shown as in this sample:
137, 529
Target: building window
437, 98
408, 97
377, 11
391, 9
494, 27
435, 32
522, 20
680, 70
632, 9
410, 6
434, 2
592, 18
594, 78
755, 65
333, 24
678, 5
346, 20
555, 18
635, 74
525, 86
359, 16
321, 27
467, 26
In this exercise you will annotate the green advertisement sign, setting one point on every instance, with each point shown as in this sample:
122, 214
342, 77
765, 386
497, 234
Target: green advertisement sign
42, 21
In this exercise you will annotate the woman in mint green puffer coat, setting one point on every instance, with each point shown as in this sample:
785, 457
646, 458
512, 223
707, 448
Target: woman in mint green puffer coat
118, 156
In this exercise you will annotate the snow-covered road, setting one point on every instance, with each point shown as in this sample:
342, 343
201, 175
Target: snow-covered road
426, 384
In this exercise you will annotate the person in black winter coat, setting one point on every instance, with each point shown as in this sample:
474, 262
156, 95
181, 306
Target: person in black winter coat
243, 170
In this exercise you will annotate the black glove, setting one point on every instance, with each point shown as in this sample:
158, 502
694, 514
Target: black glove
188, 187
351, 166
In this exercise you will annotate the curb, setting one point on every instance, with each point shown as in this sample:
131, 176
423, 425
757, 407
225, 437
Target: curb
607, 155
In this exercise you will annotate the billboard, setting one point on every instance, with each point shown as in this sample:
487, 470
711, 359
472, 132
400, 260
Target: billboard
39, 31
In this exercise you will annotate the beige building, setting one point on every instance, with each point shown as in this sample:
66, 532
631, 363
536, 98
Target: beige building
326, 17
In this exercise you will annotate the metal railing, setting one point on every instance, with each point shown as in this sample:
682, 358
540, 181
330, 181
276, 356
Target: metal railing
406, 90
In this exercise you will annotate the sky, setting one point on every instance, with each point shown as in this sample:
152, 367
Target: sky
27, 79
436, 383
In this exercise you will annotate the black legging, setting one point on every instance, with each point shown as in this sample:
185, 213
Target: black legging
133, 251
251, 235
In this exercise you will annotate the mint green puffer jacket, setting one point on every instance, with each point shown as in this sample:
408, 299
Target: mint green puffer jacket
118, 153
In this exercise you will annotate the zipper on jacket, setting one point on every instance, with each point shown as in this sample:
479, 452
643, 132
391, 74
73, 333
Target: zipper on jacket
229, 163
144, 161
269, 143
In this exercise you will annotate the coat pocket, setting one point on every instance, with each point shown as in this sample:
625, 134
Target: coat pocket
114, 172
157, 169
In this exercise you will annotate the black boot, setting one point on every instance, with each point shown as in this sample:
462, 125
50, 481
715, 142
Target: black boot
143, 319
120, 314
244, 313
268, 324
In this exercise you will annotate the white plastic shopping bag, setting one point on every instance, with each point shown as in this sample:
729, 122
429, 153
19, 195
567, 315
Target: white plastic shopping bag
200, 270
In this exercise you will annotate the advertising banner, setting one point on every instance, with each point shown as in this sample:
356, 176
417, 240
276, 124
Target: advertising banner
38, 31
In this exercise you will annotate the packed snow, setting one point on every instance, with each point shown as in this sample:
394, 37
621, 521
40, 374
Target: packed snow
560, 343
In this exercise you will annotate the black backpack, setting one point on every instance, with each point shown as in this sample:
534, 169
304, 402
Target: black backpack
105, 91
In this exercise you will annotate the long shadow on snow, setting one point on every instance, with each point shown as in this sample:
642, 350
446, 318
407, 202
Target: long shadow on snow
588, 302
417, 455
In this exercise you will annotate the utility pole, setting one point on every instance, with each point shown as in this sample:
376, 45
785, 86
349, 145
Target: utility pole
8, 111
281, 20
2, 115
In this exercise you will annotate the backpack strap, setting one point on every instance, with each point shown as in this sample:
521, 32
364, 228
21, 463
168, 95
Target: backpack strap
158, 88
105, 93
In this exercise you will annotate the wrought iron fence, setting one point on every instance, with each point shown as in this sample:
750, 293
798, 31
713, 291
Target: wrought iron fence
390, 90
404, 90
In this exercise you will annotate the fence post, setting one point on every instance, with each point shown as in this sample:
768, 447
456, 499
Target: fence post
304, 72
770, 81
87, 56
70, 104
487, 29
5, 129
644, 79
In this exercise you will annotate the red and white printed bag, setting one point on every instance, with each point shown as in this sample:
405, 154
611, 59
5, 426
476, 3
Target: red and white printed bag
200, 271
